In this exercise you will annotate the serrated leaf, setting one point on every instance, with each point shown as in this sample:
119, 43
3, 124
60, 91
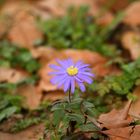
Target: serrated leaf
88, 127
88, 104
8, 112
58, 116
75, 117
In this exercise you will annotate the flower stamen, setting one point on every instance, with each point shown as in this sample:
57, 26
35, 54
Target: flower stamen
72, 71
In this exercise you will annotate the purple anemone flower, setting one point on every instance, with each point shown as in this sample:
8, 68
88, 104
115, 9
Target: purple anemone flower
68, 74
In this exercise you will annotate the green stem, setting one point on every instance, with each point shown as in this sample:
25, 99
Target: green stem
69, 96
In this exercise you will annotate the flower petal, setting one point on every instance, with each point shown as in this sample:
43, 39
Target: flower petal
78, 79
83, 66
55, 67
86, 69
86, 73
72, 85
70, 62
82, 86
62, 82
80, 62
57, 73
57, 79
85, 78
63, 63
67, 85
61, 78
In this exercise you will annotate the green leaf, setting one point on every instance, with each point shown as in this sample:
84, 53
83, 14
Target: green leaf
88, 104
79, 31
75, 117
58, 116
132, 97
15, 56
8, 112
22, 124
88, 127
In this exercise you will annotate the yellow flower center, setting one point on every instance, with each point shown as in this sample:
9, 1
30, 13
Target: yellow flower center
72, 71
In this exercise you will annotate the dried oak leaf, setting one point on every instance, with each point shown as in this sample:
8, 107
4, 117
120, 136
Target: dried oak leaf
93, 7
116, 119
31, 94
102, 18
135, 107
131, 41
59, 8
32, 133
45, 84
96, 61
105, 19
44, 54
53, 7
11, 75
5, 24
24, 31
124, 133
54, 95
10, 8
114, 5
132, 14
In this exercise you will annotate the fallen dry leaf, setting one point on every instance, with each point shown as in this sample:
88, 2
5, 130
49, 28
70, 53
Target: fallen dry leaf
44, 54
101, 69
5, 24
24, 31
10, 8
105, 19
132, 14
31, 94
92, 4
116, 119
32, 133
7, 124
94, 59
124, 133
11, 75
54, 95
114, 5
117, 123
45, 84
87, 56
131, 41
135, 107
59, 8
53, 7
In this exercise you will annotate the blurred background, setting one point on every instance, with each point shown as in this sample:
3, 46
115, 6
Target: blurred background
33, 33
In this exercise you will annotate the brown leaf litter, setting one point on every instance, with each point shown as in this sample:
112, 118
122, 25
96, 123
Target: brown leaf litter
32, 133
96, 61
11, 75
116, 119
132, 14
135, 107
24, 31
59, 8
31, 95
118, 125
131, 41
124, 133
